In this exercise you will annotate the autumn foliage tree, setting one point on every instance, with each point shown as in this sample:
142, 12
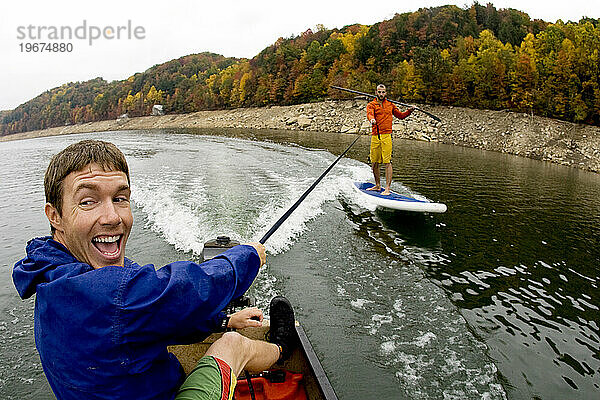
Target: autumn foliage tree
479, 57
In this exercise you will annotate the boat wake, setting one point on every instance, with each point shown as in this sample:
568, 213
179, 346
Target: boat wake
240, 188
242, 199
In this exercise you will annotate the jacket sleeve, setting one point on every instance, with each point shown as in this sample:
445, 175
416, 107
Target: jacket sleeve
399, 114
182, 301
370, 111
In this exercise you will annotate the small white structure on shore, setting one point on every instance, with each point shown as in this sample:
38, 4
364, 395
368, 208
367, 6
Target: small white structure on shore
123, 117
157, 109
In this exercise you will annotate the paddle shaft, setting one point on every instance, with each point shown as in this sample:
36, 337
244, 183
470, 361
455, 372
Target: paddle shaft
297, 203
393, 101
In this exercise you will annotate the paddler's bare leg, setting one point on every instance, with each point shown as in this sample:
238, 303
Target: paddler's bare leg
377, 176
241, 353
388, 179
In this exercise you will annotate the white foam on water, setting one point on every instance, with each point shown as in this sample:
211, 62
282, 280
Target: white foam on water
359, 303
398, 304
337, 183
240, 188
388, 347
377, 320
295, 225
419, 334
175, 222
424, 339
189, 208
440, 357
263, 289
410, 373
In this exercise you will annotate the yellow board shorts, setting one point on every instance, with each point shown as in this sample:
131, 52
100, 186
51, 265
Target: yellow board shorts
381, 149
212, 379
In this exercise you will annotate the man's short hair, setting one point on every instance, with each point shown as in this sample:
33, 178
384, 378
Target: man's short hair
76, 157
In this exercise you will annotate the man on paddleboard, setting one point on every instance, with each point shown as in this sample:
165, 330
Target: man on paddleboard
379, 114
103, 322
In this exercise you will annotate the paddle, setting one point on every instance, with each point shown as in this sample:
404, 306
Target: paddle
393, 101
297, 203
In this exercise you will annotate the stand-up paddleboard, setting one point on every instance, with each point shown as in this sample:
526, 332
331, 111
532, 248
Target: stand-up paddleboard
397, 201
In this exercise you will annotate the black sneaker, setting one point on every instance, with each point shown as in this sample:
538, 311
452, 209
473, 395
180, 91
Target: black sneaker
283, 326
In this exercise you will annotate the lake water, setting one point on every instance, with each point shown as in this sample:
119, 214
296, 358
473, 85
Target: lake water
497, 298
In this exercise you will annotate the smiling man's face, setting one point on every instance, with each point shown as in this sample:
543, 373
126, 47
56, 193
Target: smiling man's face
381, 92
96, 216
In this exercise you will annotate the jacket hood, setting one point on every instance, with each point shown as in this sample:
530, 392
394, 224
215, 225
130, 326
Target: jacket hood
47, 260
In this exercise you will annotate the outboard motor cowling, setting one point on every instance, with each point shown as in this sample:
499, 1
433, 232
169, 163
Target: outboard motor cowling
214, 247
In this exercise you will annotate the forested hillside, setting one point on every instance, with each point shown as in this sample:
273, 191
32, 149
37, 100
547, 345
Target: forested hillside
478, 57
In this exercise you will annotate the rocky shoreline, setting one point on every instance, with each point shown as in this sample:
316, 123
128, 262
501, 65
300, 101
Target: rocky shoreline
520, 134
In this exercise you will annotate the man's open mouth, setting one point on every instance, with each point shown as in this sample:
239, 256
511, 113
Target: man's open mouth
109, 246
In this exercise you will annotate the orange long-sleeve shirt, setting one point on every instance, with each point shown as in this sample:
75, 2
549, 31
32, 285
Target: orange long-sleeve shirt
382, 112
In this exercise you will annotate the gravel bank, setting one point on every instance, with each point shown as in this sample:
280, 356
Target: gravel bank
535, 137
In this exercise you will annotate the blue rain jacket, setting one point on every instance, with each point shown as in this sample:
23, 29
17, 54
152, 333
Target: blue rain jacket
102, 333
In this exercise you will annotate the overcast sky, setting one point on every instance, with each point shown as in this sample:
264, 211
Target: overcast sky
171, 29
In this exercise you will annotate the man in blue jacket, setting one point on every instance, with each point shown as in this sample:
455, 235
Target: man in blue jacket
103, 322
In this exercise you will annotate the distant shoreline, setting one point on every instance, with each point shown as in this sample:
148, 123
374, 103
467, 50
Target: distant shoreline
539, 138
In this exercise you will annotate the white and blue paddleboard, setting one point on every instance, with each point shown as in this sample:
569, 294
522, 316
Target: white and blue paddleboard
398, 201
